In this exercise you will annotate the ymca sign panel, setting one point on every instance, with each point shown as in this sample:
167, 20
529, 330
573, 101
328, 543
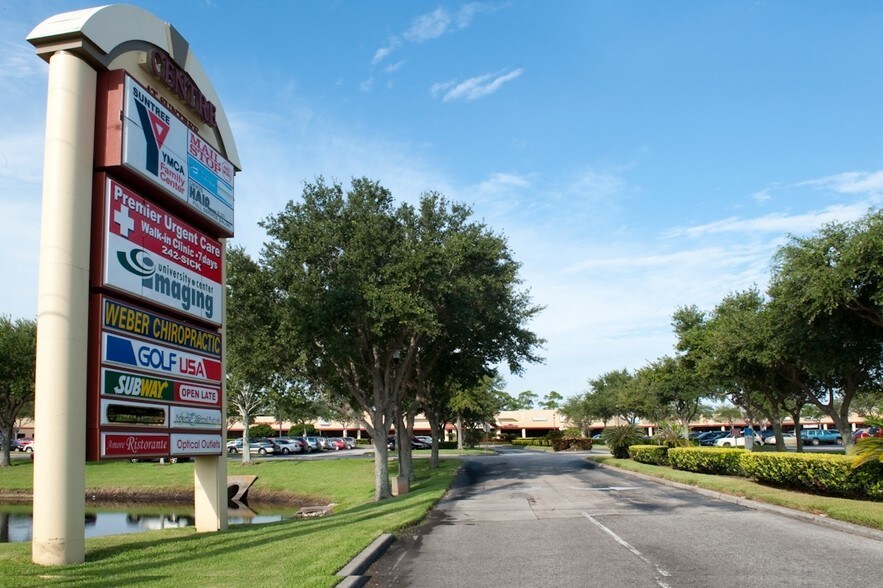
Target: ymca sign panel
149, 141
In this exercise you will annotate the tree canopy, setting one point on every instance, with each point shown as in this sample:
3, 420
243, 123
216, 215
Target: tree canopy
367, 295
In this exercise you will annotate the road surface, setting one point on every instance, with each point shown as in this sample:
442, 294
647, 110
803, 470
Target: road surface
524, 518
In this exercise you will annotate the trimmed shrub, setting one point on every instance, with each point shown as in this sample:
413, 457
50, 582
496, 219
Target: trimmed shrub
815, 472
573, 443
261, 430
532, 441
707, 460
652, 454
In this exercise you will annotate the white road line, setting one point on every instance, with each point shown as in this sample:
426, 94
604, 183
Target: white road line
628, 546
615, 488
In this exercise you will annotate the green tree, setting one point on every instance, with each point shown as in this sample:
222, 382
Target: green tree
826, 295
477, 405
744, 353
551, 401
252, 368
578, 413
674, 389
18, 348
526, 400
728, 414
367, 293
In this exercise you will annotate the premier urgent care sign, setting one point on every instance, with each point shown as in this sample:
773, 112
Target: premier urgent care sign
138, 200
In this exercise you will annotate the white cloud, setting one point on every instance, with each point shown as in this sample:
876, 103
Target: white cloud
870, 183
381, 54
761, 196
502, 182
776, 222
473, 88
433, 25
393, 67
429, 26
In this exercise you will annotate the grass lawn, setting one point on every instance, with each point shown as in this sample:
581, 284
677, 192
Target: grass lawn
860, 512
305, 552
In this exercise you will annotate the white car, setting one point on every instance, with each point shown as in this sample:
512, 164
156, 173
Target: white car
730, 441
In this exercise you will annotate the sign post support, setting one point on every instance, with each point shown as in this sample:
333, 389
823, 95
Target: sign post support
62, 314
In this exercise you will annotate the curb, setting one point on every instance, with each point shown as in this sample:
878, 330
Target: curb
820, 520
352, 572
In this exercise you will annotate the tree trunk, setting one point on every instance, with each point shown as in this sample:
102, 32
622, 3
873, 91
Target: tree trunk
403, 446
246, 448
6, 440
434, 431
459, 432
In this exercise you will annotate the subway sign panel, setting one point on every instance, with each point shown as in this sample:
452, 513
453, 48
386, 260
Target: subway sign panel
161, 148
150, 253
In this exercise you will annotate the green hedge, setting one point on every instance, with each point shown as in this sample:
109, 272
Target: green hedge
819, 473
653, 454
536, 441
816, 472
707, 460
577, 443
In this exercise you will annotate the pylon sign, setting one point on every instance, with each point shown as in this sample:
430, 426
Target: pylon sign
137, 199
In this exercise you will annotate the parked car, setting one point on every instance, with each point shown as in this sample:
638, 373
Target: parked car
288, 445
425, 438
304, 446
418, 443
872, 431
335, 443
260, 446
819, 436
16, 444
736, 441
315, 443
788, 438
350, 442
26, 445
708, 438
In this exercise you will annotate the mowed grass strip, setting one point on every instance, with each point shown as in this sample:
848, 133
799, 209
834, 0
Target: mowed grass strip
304, 552
867, 513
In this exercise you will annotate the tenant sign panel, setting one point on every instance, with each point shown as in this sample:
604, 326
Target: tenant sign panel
159, 385
152, 254
161, 148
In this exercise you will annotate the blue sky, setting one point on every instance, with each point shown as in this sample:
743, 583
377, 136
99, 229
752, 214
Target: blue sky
639, 156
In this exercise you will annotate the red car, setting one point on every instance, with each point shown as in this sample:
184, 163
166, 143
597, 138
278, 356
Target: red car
335, 443
872, 431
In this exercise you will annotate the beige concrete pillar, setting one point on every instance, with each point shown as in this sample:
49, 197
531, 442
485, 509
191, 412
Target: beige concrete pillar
62, 315
210, 473
210, 493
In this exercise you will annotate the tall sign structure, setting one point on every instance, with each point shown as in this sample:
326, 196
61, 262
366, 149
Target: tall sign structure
138, 200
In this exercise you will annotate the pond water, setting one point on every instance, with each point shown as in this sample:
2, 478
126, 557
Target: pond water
16, 521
